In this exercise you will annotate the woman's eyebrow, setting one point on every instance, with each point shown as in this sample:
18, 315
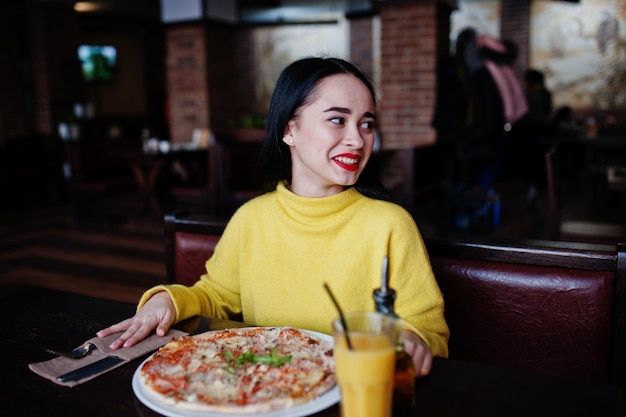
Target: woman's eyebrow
339, 109
346, 110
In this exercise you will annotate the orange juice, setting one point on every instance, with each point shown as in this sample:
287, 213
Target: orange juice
365, 374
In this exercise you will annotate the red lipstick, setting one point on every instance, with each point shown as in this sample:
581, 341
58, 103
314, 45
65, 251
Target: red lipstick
347, 161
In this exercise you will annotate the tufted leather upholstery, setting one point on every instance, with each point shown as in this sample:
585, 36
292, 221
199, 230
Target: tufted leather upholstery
192, 251
549, 307
189, 241
555, 308
550, 320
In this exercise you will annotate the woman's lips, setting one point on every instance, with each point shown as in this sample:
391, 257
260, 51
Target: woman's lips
349, 162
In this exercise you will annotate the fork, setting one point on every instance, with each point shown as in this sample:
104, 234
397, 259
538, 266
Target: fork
77, 353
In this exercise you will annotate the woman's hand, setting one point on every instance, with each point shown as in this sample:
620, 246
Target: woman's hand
419, 351
158, 312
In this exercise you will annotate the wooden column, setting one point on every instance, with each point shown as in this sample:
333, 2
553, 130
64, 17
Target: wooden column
187, 80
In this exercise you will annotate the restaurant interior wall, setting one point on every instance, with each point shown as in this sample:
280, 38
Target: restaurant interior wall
46, 44
581, 48
17, 119
245, 59
531, 25
45, 81
134, 99
577, 45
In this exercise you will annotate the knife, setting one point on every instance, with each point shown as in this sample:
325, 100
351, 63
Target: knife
91, 369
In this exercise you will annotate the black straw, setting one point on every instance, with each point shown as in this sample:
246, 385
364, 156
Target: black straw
341, 316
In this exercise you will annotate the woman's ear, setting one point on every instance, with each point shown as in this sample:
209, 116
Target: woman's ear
288, 135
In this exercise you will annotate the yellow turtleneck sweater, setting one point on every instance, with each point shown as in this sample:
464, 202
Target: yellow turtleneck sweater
279, 249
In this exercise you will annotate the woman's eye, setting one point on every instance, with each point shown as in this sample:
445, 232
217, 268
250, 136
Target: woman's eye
338, 120
368, 125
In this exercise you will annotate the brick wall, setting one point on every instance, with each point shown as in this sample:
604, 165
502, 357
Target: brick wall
408, 56
361, 43
414, 35
202, 77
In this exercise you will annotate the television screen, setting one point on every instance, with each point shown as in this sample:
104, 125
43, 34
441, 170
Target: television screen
98, 62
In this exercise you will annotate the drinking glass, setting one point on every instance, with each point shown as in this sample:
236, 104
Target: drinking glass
365, 373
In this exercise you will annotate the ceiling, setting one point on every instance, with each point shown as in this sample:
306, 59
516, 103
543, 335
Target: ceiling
259, 11
249, 10
139, 8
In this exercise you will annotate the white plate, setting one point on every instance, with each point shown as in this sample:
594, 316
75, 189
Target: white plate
318, 404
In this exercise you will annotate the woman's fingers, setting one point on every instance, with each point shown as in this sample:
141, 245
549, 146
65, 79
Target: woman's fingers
121, 326
158, 313
420, 352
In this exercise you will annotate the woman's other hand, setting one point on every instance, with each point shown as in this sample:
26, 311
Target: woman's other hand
157, 313
419, 351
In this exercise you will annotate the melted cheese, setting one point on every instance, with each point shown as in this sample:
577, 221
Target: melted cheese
194, 369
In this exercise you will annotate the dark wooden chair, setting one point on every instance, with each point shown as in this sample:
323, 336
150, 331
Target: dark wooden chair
575, 230
189, 241
203, 198
97, 173
229, 183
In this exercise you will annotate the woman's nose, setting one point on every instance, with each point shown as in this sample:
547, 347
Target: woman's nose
354, 138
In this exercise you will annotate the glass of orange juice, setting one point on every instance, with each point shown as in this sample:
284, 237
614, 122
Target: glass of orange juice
365, 372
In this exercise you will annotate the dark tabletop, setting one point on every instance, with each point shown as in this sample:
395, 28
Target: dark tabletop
32, 319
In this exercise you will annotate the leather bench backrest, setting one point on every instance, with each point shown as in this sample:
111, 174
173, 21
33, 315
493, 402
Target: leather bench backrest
545, 319
192, 252
546, 308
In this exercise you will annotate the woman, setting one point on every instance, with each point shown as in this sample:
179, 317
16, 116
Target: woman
318, 221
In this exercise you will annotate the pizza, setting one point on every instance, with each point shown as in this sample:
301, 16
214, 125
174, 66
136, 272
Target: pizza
246, 370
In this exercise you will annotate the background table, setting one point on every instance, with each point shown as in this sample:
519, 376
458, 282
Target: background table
32, 319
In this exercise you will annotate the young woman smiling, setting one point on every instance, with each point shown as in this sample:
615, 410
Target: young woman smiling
321, 218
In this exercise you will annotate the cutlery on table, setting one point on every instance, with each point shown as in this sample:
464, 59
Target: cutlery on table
77, 353
91, 369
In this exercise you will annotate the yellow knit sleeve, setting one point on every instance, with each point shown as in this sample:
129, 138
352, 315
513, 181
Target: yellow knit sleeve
419, 300
216, 293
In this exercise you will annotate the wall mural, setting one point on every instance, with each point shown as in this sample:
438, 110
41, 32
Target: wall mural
482, 15
277, 46
581, 48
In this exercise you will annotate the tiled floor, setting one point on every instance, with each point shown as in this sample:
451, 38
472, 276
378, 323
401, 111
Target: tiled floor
46, 248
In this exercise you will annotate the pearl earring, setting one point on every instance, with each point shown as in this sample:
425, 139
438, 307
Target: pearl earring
290, 140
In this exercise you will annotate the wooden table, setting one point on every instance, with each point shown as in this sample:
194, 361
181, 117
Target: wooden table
151, 169
32, 319
146, 169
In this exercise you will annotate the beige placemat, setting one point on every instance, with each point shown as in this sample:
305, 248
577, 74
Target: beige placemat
53, 368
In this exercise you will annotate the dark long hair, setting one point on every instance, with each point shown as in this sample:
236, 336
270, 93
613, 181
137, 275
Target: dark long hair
294, 88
